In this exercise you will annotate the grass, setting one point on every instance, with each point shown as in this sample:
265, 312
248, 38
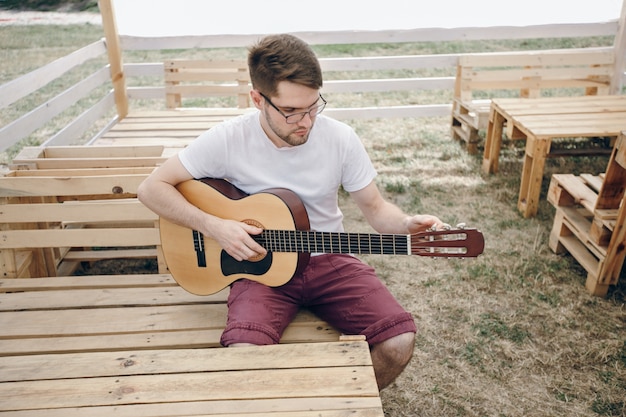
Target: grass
512, 333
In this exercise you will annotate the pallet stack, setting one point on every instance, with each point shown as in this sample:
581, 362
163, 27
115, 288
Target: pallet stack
589, 219
64, 206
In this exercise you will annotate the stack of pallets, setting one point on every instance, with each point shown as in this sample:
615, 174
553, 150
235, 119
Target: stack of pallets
589, 219
66, 205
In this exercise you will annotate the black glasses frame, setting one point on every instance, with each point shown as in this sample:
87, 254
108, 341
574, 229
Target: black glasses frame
293, 118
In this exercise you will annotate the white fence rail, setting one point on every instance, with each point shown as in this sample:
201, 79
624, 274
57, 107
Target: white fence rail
38, 117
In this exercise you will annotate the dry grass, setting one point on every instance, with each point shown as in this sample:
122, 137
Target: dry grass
511, 333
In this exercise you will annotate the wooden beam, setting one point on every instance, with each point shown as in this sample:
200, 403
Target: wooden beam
114, 51
620, 53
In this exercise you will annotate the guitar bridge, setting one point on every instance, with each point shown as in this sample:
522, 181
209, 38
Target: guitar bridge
198, 245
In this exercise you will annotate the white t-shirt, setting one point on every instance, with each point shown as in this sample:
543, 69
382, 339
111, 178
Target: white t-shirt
240, 151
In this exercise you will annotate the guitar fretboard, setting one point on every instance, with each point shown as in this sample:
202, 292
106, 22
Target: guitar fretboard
334, 242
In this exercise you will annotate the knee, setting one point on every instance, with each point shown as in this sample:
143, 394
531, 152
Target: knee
398, 349
406, 345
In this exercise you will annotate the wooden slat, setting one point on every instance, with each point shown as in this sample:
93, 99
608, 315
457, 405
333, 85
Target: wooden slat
142, 389
80, 172
297, 332
58, 238
85, 211
101, 151
88, 282
276, 407
100, 364
100, 298
66, 186
574, 56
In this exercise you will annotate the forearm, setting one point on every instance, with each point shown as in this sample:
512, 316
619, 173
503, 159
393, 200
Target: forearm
159, 193
167, 202
386, 217
389, 218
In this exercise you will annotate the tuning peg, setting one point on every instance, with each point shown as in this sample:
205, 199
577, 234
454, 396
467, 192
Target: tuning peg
461, 226
445, 226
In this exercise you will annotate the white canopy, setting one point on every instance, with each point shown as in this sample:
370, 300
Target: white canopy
207, 17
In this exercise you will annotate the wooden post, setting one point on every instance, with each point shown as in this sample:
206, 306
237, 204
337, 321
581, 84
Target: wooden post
115, 56
620, 53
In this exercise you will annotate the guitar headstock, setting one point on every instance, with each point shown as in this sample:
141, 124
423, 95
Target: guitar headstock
452, 243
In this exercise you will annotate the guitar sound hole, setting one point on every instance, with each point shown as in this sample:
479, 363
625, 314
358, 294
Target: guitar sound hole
231, 266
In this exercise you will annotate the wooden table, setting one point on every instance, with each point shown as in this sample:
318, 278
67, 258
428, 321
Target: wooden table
541, 120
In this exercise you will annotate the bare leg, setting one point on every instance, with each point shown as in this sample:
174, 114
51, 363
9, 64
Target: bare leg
391, 357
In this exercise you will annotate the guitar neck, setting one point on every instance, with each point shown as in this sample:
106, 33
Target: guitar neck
334, 242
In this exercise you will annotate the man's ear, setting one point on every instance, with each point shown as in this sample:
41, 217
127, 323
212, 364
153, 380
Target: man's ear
256, 97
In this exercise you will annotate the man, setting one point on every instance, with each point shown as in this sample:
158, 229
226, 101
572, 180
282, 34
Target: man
287, 143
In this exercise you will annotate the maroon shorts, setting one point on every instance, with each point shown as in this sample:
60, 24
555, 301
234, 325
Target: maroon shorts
339, 289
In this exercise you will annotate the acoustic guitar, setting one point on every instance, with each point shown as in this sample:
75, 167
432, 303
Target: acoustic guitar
202, 267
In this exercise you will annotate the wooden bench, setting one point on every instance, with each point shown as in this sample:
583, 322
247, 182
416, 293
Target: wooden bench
525, 74
206, 78
140, 345
590, 219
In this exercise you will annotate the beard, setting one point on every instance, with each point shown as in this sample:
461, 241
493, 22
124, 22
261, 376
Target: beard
295, 136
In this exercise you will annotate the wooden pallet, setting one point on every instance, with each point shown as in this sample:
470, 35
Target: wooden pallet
139, 345
589, 220
68, 205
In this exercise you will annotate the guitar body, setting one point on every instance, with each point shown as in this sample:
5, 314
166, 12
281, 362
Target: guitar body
202, 267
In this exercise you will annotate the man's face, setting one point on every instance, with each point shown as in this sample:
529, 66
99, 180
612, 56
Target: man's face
288, 117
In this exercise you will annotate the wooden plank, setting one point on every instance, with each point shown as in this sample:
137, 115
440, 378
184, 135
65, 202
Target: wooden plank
115, 320
297, 332
275, 407
577, 188
581, 253
114, 51
142, 389
101, 151
58, 238
79, 172
69, 186
593, 181
183, 339
100, 364
538, 77
560, 105
84, 211
20, 324
99, 298
163, 126
86, 282
72, 163
573, 56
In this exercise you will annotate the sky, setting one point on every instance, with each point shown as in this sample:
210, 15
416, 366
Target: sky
204, 17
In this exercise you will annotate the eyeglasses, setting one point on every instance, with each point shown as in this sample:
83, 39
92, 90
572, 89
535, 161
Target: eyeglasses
297, 117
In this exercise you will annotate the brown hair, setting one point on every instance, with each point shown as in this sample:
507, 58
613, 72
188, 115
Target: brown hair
283, 57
